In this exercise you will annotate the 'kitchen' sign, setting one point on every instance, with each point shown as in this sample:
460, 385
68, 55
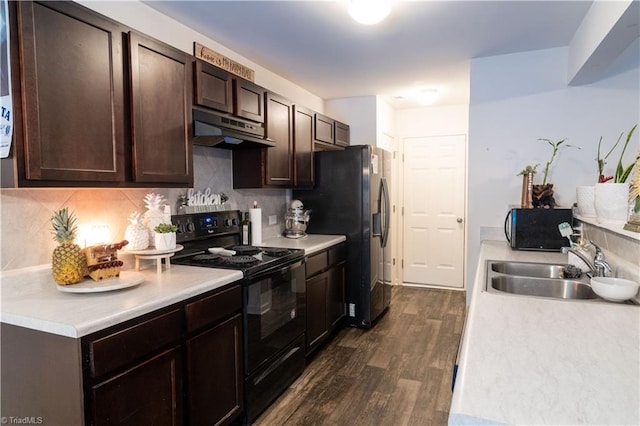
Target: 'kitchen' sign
221, 61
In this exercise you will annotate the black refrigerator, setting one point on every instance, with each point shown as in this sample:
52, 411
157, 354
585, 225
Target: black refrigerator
351, 197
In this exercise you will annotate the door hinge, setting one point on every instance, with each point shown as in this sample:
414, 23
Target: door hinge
402, 211
394, 155
394, 208
402, 264
394, 262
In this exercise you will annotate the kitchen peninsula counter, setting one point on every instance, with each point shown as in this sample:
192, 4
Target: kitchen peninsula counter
528, 360
311, 244
30, 298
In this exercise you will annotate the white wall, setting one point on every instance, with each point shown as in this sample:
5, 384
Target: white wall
518, 98
360, 113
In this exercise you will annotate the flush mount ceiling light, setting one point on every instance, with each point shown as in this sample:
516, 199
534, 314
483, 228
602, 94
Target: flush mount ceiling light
369, 12
426, 96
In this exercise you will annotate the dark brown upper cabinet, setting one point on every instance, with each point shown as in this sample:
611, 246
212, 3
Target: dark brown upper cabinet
250, 102
329, 134
161, 101
86, 113
324, 129
342, 134
303, 147
213, 87
71, 73
268, 167
218, 89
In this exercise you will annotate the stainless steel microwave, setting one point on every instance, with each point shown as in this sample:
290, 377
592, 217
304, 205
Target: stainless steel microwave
536, 229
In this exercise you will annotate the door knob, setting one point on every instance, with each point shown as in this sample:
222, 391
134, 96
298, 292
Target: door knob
459, 220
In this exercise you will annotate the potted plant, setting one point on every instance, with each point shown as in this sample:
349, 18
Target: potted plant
165, 236
543, 194
612, 192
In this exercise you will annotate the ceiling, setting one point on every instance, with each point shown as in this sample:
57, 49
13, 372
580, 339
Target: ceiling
316, 45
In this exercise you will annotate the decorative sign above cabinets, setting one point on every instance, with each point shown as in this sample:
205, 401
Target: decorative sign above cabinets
221, 61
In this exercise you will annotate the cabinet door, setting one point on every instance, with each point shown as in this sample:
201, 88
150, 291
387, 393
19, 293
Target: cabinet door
342, 134
279, 124
317, 309
73, 93
324, 129
336, 295
249, 99
214, 374
213, 87
303, 147
150, 393
161, 95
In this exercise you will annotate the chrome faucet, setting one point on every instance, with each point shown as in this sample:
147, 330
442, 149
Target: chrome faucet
598, 267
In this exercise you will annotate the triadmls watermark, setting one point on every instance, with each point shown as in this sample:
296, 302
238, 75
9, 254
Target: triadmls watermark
22, 420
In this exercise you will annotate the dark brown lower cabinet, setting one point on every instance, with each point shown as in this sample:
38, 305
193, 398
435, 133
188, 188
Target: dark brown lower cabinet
317, 319
325, 295
149, 393
181, 364
214, 374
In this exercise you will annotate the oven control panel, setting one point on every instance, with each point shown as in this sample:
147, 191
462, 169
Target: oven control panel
198, 225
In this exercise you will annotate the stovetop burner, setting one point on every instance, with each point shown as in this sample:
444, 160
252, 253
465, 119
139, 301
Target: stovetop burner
276, 252
205, 257
248, 250
241, 260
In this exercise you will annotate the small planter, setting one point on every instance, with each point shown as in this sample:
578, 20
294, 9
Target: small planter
586, 198
612, 203
165, 241
543, 196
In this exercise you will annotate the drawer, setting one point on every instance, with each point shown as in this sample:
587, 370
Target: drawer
337, 254
117, 349
213, 308
317, 263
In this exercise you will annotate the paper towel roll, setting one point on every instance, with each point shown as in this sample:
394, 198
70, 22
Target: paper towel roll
255, 215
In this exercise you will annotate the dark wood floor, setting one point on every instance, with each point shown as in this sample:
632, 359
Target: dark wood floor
398, 373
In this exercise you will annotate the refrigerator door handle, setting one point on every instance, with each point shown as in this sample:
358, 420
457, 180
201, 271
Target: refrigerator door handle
384, 196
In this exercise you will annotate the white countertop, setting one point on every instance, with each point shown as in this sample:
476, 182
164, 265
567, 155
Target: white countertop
527, 360
311, 244
30, 298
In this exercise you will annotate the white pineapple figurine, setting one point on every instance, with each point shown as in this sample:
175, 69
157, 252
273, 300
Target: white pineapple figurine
137, 234
154, 215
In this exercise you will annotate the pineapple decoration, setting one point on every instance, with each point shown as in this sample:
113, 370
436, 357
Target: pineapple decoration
69, 265
137, 233
154, 215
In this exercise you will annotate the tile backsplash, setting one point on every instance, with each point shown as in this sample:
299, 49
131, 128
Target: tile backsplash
25, 226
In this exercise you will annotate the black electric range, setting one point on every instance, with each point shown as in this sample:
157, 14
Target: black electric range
199, 232
274, 301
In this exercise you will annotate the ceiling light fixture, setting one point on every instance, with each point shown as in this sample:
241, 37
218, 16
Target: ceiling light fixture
426, 96
369, 12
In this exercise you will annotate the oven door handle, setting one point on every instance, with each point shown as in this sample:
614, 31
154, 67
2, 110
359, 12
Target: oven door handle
280, 271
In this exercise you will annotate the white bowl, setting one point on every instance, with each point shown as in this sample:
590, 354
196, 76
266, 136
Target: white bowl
614, 289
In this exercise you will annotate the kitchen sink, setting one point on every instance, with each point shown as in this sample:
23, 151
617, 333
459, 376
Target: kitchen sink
543, 287
529, 269
537, 280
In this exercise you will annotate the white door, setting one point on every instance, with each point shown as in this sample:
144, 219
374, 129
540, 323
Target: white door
433, 225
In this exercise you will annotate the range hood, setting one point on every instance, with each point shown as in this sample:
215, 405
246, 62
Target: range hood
224, 131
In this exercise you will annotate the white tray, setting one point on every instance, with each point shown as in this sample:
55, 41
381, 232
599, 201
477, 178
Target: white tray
153, 252
125, 280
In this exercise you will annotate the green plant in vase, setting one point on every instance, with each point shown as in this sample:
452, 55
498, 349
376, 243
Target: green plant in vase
621, 173
543, 194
